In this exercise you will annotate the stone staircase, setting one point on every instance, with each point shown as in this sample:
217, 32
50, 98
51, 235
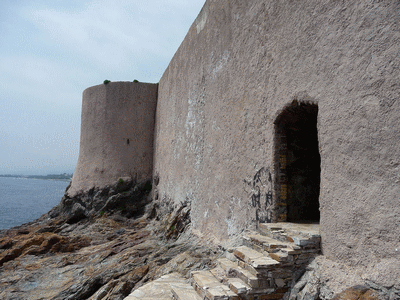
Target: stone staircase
264, 267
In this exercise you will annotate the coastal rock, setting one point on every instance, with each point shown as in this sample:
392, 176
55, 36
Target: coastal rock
102, 255
326, 279
125, 196
78, 213
358, 292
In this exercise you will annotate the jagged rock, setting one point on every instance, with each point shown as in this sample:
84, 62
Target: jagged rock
325, 279
123, 184
124, 196
102, 256
358, 292
78, 212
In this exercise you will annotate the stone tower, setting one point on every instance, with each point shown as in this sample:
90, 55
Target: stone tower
117, 134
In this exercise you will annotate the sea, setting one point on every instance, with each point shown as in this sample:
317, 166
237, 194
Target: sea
23, 200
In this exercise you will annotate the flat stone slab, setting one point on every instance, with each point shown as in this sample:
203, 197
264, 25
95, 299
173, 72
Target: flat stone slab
246, 254
218, 273
299, 234
238, 286
290, 251
233, 270
269, 244
211, 288
279, 256
264, 263
311, 230
221, 293
205, 279
226, 264
160, 289
254, 258
185, 292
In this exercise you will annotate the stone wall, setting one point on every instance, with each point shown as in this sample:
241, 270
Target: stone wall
240, 66
117, 134
235, 105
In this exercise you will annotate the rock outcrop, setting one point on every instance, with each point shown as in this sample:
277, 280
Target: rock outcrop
114, 243
98, 245
112, 253
126, 197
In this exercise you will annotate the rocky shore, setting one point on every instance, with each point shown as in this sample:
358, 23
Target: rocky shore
99, 245
104, 243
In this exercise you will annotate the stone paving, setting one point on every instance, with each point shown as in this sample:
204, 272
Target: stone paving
264, 267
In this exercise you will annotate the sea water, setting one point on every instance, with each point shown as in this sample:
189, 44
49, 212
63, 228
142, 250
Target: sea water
23, 200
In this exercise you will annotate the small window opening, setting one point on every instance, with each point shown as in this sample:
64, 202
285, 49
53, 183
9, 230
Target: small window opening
127, 141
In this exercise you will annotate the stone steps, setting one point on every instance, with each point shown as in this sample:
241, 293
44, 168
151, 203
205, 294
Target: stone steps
185, 293
209, 287
264, 243
303, 235
255, 259
243, 282
238, 286
169, 287
262, 268
233, 270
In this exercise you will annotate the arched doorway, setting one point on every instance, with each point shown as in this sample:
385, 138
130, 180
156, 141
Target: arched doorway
298, 163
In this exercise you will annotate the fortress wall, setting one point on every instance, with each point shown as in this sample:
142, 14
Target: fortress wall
117, 134
240, 65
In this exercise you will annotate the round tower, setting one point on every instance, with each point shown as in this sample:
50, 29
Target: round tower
117, 132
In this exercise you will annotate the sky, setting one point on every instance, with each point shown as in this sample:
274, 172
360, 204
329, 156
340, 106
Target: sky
50, 51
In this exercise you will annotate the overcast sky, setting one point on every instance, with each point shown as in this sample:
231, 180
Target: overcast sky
51, 50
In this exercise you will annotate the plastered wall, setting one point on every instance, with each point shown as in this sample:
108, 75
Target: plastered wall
240, 65
117, 134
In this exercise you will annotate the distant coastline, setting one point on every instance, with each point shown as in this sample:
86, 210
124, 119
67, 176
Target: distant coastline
64, 176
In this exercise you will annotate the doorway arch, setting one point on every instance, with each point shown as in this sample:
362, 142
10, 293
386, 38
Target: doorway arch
298, 163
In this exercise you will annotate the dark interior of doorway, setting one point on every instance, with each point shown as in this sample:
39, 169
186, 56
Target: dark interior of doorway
298, 125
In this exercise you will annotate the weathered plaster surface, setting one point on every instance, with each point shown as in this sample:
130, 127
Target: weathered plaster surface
117, 134
240, 64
